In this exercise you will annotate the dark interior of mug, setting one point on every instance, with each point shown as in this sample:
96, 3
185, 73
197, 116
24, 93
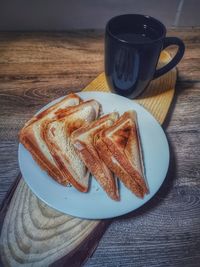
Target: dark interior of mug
136, 28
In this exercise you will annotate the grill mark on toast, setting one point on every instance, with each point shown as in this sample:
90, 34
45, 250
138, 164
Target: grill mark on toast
91, 159
90, 156
27, 138
106, 156
117, 149
50, 109
121, 136
56, 153
66, 126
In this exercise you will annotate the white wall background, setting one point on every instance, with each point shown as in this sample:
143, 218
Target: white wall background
50, 15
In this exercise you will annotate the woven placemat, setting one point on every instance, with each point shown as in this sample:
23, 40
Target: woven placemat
33, 234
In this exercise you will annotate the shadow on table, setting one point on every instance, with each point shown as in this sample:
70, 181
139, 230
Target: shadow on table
168, 182
161, 194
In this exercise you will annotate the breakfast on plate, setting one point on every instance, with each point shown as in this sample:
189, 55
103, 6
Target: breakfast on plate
70, 140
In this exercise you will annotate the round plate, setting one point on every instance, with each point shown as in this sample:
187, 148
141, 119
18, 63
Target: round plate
95, 204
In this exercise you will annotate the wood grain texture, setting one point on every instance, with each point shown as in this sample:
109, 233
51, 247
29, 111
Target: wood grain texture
36, 68
34, 234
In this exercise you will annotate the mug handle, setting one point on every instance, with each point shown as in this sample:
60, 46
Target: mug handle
175, 60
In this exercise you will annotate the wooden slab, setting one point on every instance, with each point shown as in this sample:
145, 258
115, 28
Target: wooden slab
34, 234
37, 235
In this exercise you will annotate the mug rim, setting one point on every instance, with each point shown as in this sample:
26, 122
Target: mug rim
136, 15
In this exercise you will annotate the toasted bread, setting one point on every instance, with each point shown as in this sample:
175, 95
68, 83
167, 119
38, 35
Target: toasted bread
31, 137
69, 100
83, 142
123, 149
108, 158
56, 134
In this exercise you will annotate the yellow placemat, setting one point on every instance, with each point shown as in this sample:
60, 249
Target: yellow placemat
156, 98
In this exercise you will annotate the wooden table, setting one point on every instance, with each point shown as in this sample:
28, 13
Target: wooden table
36, 68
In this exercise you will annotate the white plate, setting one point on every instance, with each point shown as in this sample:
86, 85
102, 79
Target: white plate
96, 204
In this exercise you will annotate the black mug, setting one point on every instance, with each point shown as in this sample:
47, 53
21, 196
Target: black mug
133, 44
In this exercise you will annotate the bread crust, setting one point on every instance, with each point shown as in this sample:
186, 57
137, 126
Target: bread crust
112, 116
60, 157
61, 160
118, 147
27, 138
66, 112
90, 156
100, 171
107, 156
46, 111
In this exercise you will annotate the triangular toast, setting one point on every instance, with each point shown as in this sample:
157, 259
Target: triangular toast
56, 134
109, 159
83, 142
31, 137
119, 146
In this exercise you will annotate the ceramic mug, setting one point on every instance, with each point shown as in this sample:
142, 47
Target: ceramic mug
133, 44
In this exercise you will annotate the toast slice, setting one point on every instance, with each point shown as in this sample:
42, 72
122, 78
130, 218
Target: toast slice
83, 142
106, 155
56, 134
119, 146
31, 137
